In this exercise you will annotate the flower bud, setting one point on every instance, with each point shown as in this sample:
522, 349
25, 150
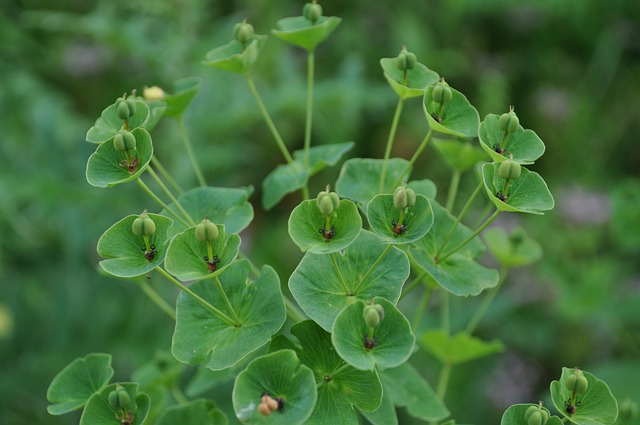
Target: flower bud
509, 121
509, 169
577, 382
442, 92
206, 231
129, 140
404, 197
406, 60
123, 110
373, 315
143, 225
243, 32
153, 93
312, 11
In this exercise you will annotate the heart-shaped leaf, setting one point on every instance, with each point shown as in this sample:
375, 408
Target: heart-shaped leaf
524, 145
417, 220
367, 268
597, 405
512, 250
185, 90
288, 178
201, 336
417, 79
458, 154
98, 411
108, 167
392, 340
186, 254
77, 382
528, 193
281, 376
301, 32
458, 118
200, 412
126, 254
515, 415
460, 348
109, 123
309, 230
235, 57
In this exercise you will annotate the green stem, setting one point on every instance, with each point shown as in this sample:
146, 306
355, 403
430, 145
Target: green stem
159, 201
165, 174
339, 273
453, 190
503, 144
196, 297
189, 148
565, 420
415, 156
157, 299
293, 311
415, 282
166, 190
417, 318
488, 299
459, 219
372, 268
267, 118
392, 135
223, 294
443, 381
445, 315
178, 395
309, 120
476, 233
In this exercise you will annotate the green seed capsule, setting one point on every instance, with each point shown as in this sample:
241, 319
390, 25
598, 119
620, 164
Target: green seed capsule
129, 140
380, 310
509, 121
312, 11
509, 169
207, 231
401, 61
442, 92
124, 399
535, 418
404, 197
118, 142
113, 399
335, 199
143, 225
411, 60
372, 315
243, 32
577, 382
123, 110
131, 103
325, 205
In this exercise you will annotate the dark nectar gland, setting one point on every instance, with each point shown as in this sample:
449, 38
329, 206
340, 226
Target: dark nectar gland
369, 343
327, 234
131, 165
502, 197
213, 264
150, 254
498, 149
398, 229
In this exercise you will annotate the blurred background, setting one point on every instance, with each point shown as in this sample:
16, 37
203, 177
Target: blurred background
571, 68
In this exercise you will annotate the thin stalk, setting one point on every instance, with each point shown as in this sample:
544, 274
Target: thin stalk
392, 135
413, 284
223, 294
417, 318
309, 119
453, 190
159, 201
459, 218
178, 395
166, 175
170, 195
293, 311
415, 156
157, 299
486, 302
443, 381
445, 312
476, 233
372, 268
339, 273
269, 121
189, 148
196, 297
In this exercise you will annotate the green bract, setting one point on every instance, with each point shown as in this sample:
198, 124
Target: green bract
458, 154
512, 250
98, 411
235, 57
185, 90
516, 415
418, 219
109, 123
524, 145
417, 80
455, 349
200, 412
459, 117
301, 32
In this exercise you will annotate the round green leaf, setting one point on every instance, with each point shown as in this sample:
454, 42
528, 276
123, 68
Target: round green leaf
524, 145
156, 110
104, 169
528, 193
368, 267
281, 376
185, 255
458, 154
459, 117
123, 250
226, 206
233, 57
385, 414
98, 411
459, 348
109, 123
515, 415
417, 81
424, 187
184, 91
77, 382
197, 412
381, 213
597, 404
161, 371
512, 250
301, 32
393, 336
200, 336
306, 223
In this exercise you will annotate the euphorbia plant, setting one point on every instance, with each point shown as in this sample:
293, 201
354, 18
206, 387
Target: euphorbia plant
349, 347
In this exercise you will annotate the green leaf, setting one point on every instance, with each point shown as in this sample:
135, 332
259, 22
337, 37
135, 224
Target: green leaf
459, 155
359, 178
515, 415
381, 214
460, 348
77, 382
459, 117
340, 386
156, 110
408, 389
196, 412
524, 145
424, 187
281, 376
125, 252
104, 167
163, 370
512, 250
306, 225
528, 193
301, 32
316, 283
201, 336
227, 206
394, 340
383, 415
288, 178
597, 404
185, 90
98, 411
185, 255
417, 80
109, 123
232, 57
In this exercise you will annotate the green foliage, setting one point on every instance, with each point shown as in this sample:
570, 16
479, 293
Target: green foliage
459, 348
528, 193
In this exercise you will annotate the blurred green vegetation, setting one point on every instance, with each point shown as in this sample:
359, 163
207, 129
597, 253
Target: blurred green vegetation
571, 68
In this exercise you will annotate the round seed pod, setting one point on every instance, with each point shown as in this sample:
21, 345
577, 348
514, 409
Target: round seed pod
243, 32
131, 103
264, 410
335, 199
118, 142
577, 382
124, 399
380, 310
509, 121
312, 11
143, 225
113, 399
123, 110
325, 205
404, 197
272, 403
371, 316
401, 61
509, 169
206, 231
411, 60
129, 140
442, 92
535, 418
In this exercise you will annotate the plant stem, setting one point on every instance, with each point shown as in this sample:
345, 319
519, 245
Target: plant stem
392, 135
482, 309
459, 218
453, 190
157, 299
339, 273
476, 233
267, 118
413, 284
309, 119
196, 297
189, 148
443, 381
223, 294
178, 395
293, 311
415, 156
417, 318
445, 312
165, 174
170, 195
159, 201
372, 268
